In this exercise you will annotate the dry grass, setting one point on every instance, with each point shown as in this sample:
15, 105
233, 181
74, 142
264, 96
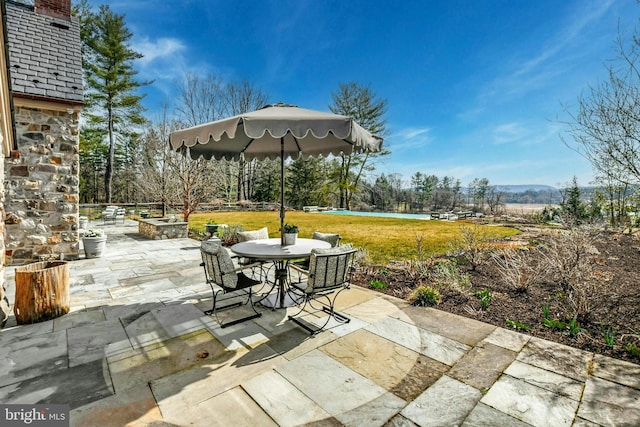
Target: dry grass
385, 239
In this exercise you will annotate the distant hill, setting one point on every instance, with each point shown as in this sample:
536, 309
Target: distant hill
525, 187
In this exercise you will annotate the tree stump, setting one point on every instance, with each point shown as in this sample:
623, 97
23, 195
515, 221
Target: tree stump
42, 291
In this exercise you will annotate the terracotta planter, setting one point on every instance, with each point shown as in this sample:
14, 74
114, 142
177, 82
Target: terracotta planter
94, 246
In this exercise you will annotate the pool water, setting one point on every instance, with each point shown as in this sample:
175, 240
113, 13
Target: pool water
379, 214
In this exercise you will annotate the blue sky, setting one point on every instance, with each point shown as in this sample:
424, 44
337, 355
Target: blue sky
475, 88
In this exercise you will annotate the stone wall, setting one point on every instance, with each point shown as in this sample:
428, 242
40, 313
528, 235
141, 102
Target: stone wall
42, 187
163, 228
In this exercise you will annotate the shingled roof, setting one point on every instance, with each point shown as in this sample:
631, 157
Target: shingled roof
45, 59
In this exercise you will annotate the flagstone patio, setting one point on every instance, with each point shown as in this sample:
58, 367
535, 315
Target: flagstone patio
138, 350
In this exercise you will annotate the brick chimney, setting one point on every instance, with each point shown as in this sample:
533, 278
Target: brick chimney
56, 8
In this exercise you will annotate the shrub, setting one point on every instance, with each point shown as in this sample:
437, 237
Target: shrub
567, 254
424, 296
229, 235
567, 257
447, 275
472, 244
417, 270
517, 268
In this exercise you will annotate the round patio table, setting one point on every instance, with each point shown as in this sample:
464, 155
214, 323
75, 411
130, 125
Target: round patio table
272, 250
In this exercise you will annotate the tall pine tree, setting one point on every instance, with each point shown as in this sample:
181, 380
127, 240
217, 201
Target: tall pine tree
361, 104
113, 106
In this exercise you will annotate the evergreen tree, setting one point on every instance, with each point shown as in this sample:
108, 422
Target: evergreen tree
359, 103
572, 206
304, 182
112, 104
267, 182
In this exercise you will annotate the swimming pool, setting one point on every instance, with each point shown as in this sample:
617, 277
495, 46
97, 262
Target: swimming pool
378, 214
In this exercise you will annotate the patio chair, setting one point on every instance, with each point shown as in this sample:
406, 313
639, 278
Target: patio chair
227, 279
244, 236
262, 233
109, 214
120, 213
302, 266
333, 239
329, 274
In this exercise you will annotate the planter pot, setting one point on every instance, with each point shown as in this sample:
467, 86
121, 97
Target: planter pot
290, 238
94, 246
83, 223
212, 228
144, 214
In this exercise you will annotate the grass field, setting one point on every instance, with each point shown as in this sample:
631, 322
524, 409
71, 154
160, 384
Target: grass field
384, 239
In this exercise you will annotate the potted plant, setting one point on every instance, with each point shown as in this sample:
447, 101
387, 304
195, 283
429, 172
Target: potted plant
211, 227
94, 242
144, 213
290, 234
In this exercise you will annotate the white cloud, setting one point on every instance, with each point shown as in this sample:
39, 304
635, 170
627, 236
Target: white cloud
566, 37
508, 133
409, 138
549, 59
160, 49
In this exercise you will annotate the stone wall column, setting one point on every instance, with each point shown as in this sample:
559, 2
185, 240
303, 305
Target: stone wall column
42, 187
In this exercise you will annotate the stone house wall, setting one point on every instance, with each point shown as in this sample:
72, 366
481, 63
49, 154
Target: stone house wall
41, 180
4, 301
42, 186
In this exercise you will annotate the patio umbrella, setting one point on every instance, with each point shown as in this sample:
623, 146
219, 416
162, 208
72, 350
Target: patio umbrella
276, 130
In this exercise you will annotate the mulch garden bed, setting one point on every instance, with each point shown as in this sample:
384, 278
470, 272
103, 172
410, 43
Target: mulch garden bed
615, 301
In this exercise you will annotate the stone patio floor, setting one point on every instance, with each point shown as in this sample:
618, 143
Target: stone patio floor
137, 350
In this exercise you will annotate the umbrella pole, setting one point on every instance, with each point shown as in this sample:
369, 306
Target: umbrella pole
282, 191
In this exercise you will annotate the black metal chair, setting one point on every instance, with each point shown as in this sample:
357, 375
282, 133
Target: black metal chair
329, 274
225, 278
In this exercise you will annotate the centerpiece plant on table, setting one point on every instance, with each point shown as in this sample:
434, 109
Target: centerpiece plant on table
291, 229
290, 234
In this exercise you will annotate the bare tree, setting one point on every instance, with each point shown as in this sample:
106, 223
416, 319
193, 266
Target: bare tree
200, 100
203, 99
155, 176
494, 199
606, 129
612, 194
240, 98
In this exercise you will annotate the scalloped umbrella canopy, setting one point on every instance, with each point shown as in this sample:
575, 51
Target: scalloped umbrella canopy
278, 130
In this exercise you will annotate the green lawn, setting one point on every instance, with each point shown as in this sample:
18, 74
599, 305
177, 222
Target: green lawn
384, 239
